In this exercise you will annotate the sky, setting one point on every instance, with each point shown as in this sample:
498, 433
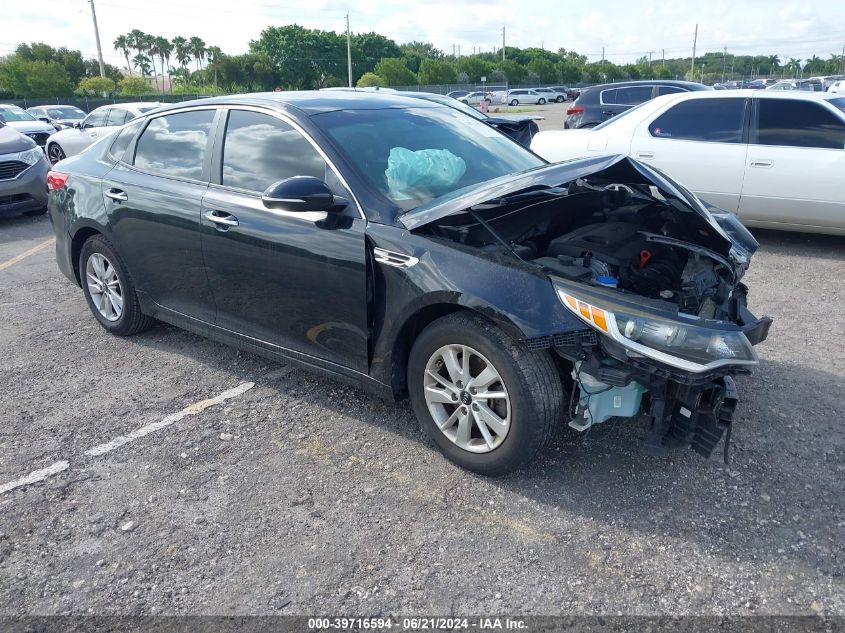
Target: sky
625, 29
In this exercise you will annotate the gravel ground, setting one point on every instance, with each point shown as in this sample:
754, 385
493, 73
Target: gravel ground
302, 496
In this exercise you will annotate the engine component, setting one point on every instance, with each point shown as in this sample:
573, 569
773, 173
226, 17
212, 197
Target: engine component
616, 243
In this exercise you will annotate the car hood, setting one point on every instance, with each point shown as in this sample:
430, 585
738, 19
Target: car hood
31, 127
618, 168
12, 141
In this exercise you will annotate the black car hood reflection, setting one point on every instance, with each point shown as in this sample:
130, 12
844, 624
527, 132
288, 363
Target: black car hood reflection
618, 168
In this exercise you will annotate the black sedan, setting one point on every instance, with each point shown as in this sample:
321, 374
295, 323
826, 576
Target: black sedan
406, 248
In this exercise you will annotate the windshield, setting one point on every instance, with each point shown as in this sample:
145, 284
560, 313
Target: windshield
615, 118
838, 103
414, 155
14, 113
65, 113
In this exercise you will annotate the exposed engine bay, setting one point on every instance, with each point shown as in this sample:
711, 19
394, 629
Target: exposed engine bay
625, 231
614, 235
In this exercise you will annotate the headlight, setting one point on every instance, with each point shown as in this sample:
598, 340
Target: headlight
688, 346
31, 156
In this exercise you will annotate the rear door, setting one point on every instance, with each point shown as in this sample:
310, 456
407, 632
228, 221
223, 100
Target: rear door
154, 199
292, 279
701, 143
796, 164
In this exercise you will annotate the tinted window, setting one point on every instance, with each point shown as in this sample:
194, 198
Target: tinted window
118, 116
175, 144
259, 150
715, 120
97, 118
122, 140
608, 96
798, 124
668, 90
630, 96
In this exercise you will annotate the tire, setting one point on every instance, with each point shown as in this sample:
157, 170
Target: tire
514, 102
128, 319
541, 101
559, 100
527, 394
35, 212
464, 101
55, 153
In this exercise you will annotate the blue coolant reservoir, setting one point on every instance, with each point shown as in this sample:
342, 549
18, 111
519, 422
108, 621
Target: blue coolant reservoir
598, 401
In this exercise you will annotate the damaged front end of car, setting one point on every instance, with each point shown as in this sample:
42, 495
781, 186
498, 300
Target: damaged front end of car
651, 276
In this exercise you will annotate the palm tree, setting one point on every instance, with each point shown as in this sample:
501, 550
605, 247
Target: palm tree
197, 48
135, 41
214, 54
165, 48
149, 48
121, 43
143, 63
180, 47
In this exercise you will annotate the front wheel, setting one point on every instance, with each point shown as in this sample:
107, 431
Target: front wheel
514, 102
541, 101
485, 399
109, 290
55, 153
559, 99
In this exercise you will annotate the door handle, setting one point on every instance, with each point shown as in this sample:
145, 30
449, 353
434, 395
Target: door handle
608, 112
762, 163
645, 155
117, 195
221, 218
93, 133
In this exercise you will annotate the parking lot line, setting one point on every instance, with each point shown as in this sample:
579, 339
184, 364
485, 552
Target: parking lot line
25, 254
197, 407
35, 476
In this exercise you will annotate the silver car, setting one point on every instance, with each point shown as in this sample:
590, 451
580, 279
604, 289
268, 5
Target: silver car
59, 116
99, 123
25, 123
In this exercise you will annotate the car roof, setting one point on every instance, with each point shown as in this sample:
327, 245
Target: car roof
692, 85
312, 102
757, 94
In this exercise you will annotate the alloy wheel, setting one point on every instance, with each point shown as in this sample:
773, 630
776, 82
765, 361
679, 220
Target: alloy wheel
467, 398
55, 153
104, 287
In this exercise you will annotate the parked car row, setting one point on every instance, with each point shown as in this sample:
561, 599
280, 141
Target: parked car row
517, 96
408, 248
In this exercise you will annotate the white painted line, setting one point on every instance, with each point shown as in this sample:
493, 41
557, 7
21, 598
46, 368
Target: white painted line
25, 254
197, 407
35, 476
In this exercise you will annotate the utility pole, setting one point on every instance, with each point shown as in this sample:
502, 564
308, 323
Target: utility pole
694, 42
649, 58
724, 62
602, 54
348, 50
503, 43
843, 60
663, 51
97, 37
459, 51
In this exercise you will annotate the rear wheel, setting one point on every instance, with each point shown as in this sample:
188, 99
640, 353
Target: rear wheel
514, 102
541, 101
109, 289
485, 399
559, 99
55, 153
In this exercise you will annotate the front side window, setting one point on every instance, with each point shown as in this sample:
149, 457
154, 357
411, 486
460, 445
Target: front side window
794, 123
713, 120
175, 144
97, 118
118, 116
259, 150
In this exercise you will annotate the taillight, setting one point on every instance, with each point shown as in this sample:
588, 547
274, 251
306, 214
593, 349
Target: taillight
56, 180
575, 110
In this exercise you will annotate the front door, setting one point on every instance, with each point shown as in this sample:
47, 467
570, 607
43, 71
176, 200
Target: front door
294, 280
699, 143
153, 202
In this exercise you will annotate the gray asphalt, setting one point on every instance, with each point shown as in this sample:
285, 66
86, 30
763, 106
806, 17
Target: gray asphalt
302, 496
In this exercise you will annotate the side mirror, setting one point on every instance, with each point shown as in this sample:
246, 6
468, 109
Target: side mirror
78, 125
302, 193
44, 119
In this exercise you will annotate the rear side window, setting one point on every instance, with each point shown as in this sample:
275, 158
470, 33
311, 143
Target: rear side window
118, 116
713, 120
632, 95
259, 149
175, 144
668, 90
122, 139
795, 123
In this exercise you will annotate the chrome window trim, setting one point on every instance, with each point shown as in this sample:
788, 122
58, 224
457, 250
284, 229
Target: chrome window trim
295, 125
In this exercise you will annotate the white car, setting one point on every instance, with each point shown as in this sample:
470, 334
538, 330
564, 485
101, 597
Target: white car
525, 95
775, 158
837, 87
100, 122
551, 95
475, 98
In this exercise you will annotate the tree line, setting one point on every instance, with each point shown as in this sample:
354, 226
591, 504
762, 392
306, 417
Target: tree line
294, 57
